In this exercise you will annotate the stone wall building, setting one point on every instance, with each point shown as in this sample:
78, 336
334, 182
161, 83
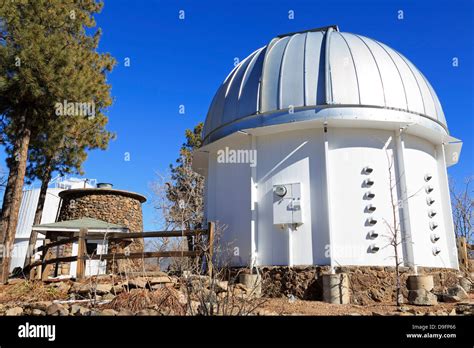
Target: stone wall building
110, 205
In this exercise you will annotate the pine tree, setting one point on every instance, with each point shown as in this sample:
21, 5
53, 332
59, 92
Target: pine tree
185, 192
47, 56
62, 148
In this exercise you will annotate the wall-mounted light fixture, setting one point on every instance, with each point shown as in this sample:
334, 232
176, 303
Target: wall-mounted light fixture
429, 200
368, 182
373, 248
433, 225
370, 208
369, 195
367, 170
432, 213
371, 221
372, 234
434, 237
428, 177
436, 251
429, 188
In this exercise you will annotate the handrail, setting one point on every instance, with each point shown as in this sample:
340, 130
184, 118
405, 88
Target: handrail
82, 256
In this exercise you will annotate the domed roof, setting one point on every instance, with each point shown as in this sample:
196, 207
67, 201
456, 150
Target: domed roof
316, 69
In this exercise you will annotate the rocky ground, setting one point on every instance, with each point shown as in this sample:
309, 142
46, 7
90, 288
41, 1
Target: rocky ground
155, 294
161, 294
282, 306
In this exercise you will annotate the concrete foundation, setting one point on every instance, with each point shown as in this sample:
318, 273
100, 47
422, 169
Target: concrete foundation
252, 282
336, 288
419, 290
418, 282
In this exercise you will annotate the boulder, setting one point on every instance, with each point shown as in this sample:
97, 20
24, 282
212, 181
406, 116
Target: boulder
458, 291
159, 280
422, 297
102, 289
38, 312
81, 288
139, 283
41, 305
57, 309
14, 311
450, 299
74, 310
466, 284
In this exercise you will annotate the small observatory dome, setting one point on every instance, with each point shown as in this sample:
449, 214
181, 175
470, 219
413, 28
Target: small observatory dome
316, 70
312, 140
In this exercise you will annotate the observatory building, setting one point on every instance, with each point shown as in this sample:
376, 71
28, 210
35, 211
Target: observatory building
321, 144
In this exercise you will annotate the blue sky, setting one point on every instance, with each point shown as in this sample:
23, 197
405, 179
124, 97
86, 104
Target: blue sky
177, 62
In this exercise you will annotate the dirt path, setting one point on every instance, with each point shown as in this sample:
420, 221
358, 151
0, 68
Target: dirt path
282, 306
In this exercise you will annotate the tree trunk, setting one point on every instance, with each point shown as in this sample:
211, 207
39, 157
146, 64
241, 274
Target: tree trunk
13, 195
43, 191
7, 200
46, 177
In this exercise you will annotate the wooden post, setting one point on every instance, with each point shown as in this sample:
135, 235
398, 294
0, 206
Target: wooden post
46, 255
81, 254
462, 253
211, 247
32, 272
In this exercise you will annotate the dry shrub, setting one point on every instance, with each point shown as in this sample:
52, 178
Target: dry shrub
165, 300
30, 291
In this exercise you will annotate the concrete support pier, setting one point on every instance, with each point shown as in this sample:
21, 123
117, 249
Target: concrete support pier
253, 282
336, 288
420, 281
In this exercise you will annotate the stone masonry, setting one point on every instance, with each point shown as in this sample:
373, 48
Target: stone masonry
110, 205
368, 284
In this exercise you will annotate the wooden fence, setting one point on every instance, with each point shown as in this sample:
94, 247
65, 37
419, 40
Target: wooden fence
42, 268
463, 254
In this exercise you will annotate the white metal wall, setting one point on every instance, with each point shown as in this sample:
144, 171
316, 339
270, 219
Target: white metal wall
228, 203
350, 151
298, 157
286, 158
26, 218
421, 158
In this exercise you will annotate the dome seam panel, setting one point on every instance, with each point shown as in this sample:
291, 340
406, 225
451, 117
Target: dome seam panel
378, 68
353, 64
399, 73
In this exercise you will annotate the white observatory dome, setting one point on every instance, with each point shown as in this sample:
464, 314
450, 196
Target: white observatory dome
317, 70
309, 144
